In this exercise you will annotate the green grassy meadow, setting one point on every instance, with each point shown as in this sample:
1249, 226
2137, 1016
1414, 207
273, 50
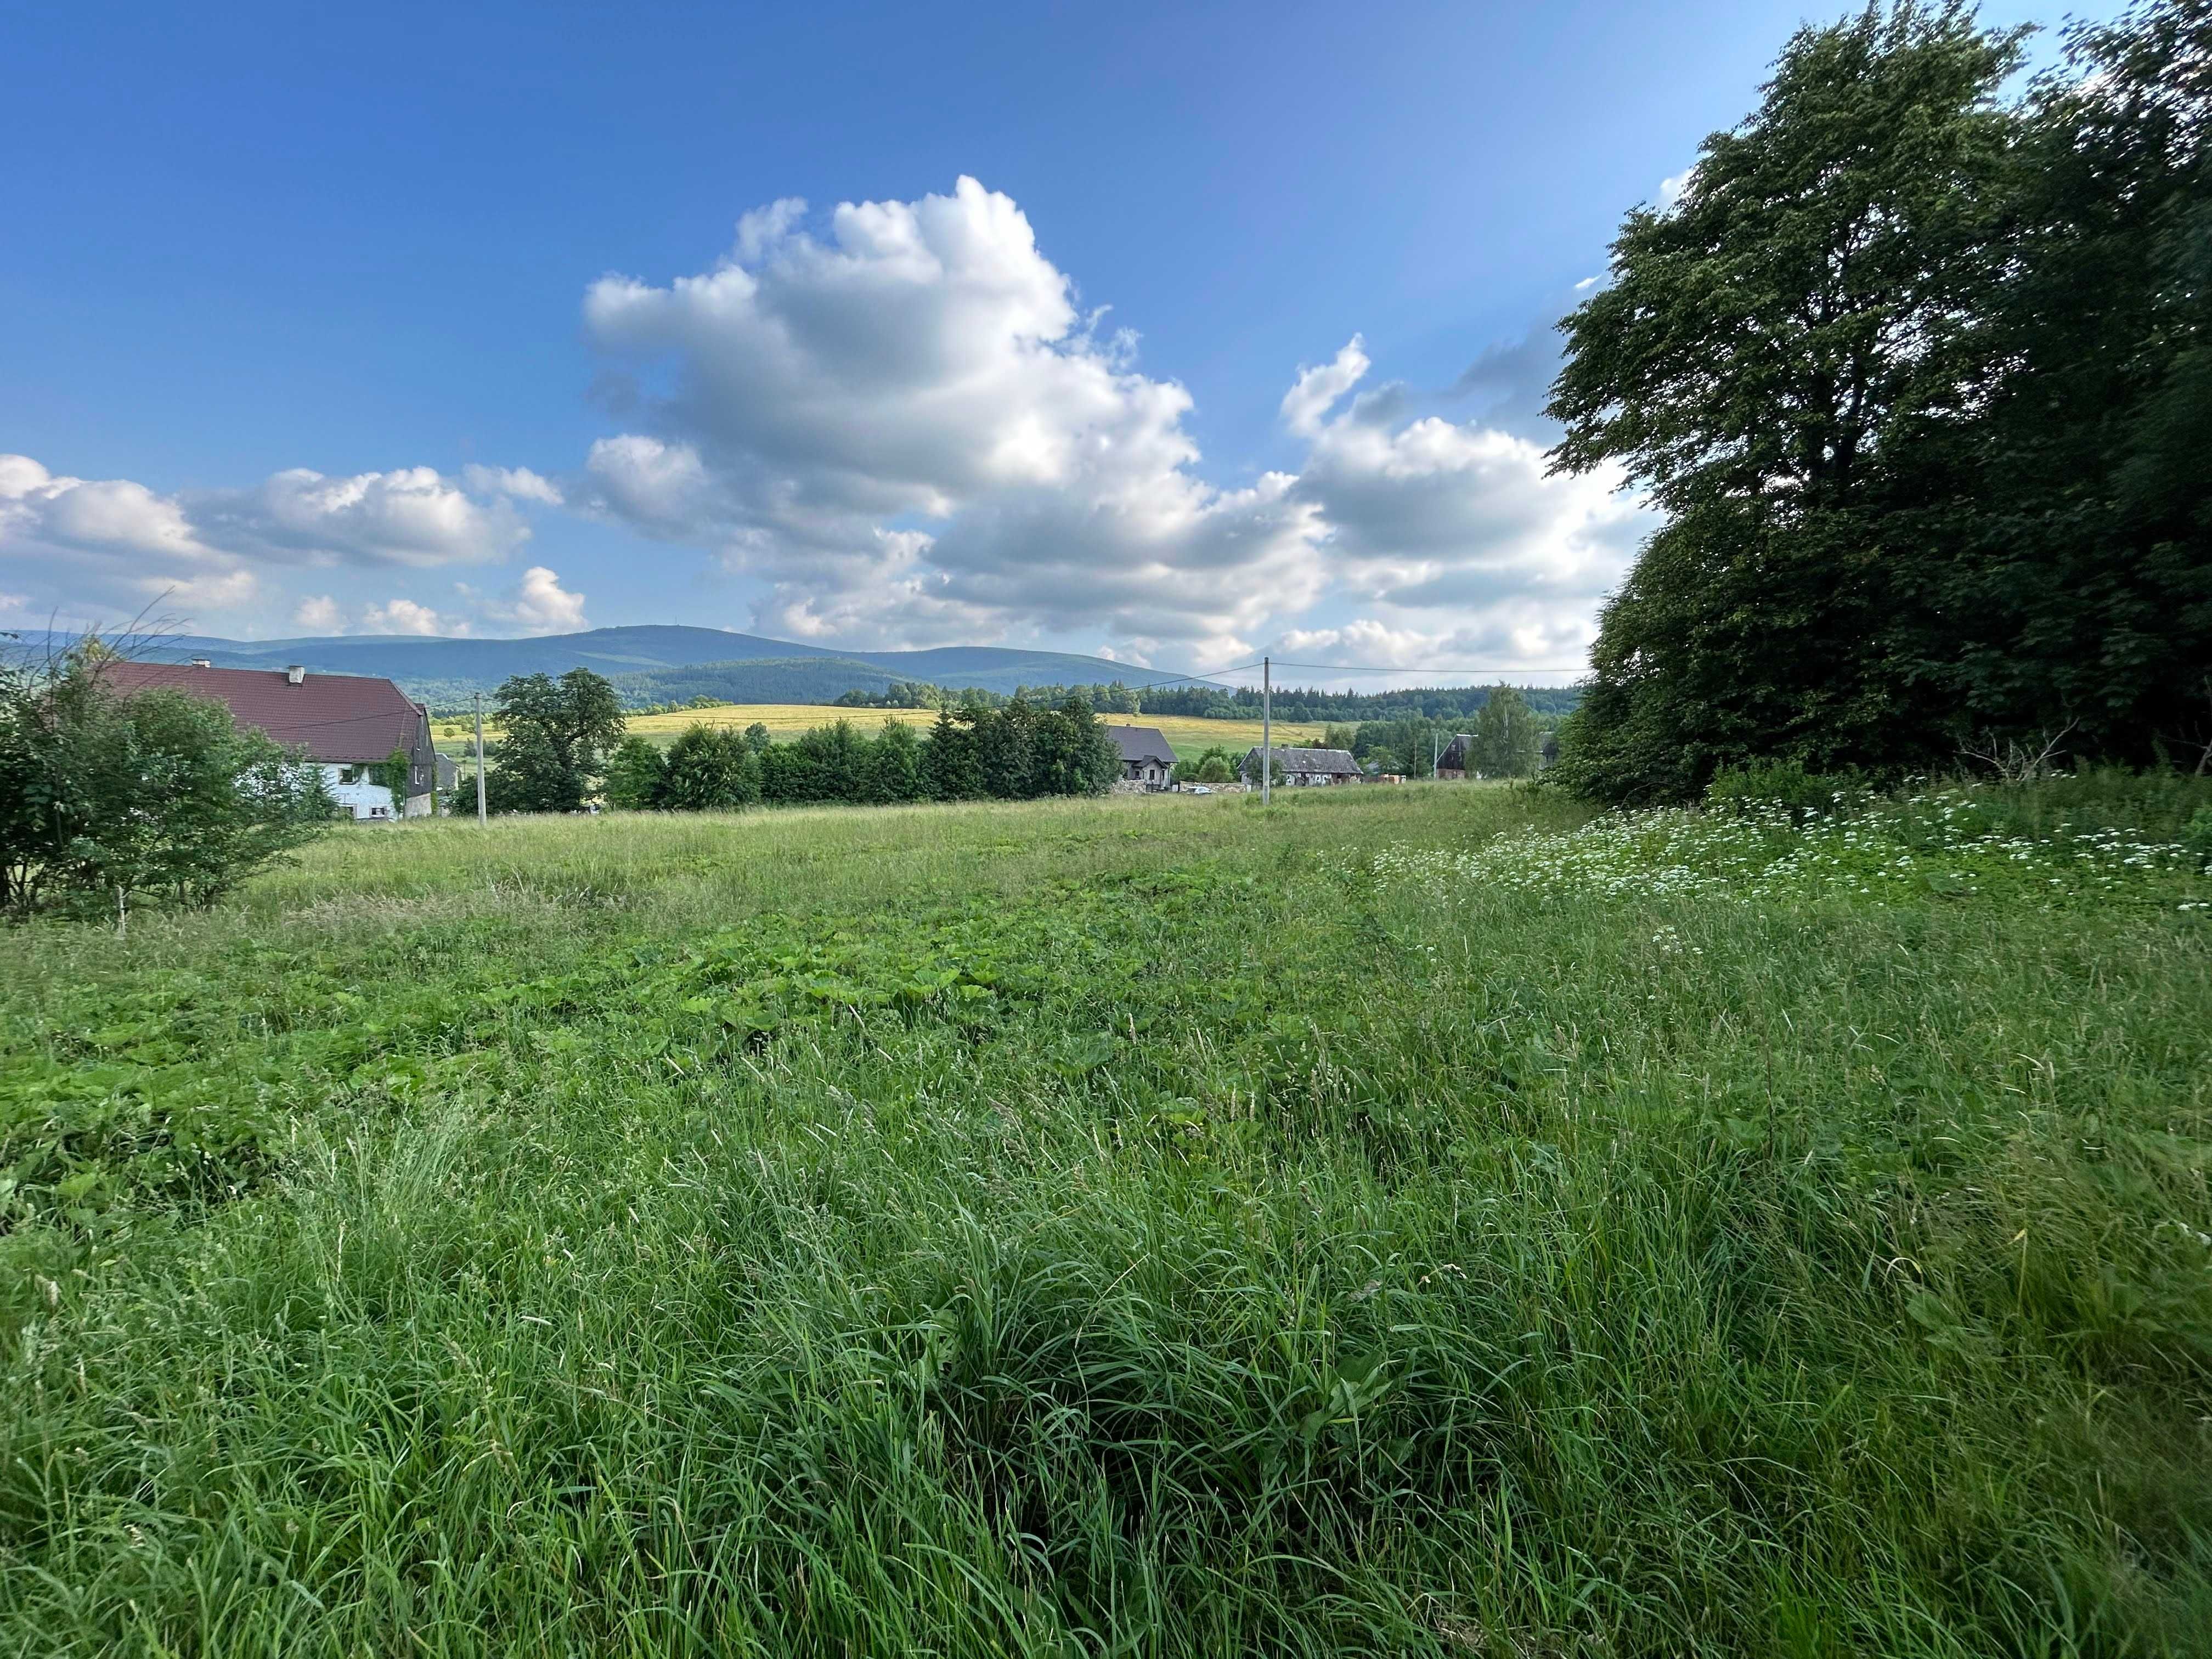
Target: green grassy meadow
1403, 1221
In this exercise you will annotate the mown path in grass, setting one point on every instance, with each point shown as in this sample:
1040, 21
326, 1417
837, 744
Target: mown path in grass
1125, 1226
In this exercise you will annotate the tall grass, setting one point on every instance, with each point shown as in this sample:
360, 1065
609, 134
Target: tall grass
1131, 1227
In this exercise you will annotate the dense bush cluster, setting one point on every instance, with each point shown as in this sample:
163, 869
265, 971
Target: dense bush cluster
106, 798
1908, 367
1017, 752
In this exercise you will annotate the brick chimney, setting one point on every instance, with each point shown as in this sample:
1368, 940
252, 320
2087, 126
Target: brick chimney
295, 674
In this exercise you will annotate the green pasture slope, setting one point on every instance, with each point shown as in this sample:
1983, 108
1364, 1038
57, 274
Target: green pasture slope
1397, 1222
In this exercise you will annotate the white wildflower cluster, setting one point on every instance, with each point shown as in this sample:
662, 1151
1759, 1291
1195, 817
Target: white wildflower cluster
1929, 843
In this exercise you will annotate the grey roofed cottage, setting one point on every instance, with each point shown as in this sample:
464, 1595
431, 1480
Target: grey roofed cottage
1145, 756
1307, 767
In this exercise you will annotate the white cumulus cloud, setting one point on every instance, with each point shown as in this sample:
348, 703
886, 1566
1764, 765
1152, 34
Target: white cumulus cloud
519, 483
410, 516
115, 543
902, 423
908, 428
539, 605
1431, 520
1316, 389
406, 616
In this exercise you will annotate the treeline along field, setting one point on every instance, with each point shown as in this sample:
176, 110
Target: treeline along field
1188, 735
1401, 1221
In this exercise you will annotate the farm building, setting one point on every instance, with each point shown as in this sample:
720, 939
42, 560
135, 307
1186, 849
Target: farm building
347, 724
1453, 762
1146, 759
1307, 768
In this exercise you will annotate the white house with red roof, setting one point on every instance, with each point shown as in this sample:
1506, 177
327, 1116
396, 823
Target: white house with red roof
347, 724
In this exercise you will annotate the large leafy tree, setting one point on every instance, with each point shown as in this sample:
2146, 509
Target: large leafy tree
2084, 595
1505, 737
555, 734
1920, 380
1783, 362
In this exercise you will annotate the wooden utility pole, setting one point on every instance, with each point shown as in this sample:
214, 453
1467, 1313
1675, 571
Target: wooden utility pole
1267, 730
481, 814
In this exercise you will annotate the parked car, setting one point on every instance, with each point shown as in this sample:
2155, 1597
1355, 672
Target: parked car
1197, 789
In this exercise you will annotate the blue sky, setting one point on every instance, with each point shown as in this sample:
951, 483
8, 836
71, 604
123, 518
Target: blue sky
314, 321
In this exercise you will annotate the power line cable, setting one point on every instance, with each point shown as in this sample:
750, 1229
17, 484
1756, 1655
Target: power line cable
1436, 668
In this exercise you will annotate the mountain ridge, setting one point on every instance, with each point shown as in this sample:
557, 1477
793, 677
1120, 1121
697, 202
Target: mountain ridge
650, 661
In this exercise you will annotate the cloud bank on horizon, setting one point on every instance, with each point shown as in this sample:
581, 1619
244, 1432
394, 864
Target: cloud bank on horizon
904, 431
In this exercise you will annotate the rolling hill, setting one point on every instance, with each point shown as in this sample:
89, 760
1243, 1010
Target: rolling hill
658, 664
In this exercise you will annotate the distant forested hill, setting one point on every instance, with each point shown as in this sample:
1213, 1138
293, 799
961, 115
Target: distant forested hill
650, 665
673, 665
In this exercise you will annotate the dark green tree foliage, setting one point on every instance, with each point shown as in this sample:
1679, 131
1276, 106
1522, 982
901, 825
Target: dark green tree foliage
1216, 765
1005, 750
1505, 736
952, 765
1070, 753
1907, 368
557, 733
1773, 355
636, 772
894, 766
158, 794
709, 770
791, 776
1407, 745
2084, 591
840, 758
1055, 751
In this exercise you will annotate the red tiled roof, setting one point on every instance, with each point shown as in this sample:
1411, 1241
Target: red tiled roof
342, 718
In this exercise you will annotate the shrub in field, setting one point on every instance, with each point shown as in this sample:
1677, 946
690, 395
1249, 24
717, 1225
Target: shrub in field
105, 798
709, 769
635, 774
1215, 766
893, 771
2198, 836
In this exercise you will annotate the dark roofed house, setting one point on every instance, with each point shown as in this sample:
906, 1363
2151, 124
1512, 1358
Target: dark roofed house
1307, 768
344, 723
1453, 762
1146, 759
